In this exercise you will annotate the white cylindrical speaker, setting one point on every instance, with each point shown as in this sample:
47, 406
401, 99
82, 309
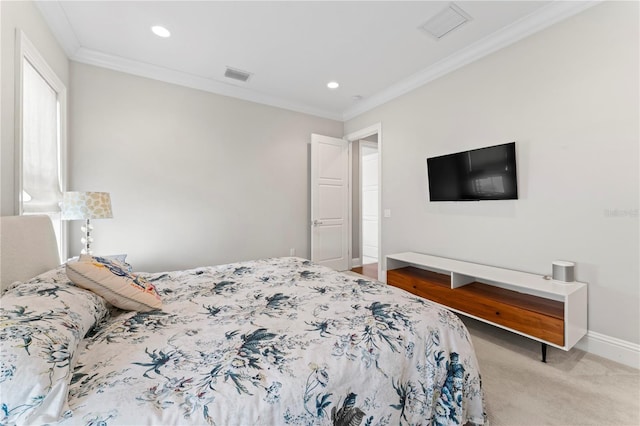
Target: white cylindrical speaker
563, 271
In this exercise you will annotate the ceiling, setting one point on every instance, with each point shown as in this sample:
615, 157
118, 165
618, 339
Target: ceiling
374, 50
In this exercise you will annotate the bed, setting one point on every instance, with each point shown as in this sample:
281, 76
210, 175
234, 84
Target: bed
266, 342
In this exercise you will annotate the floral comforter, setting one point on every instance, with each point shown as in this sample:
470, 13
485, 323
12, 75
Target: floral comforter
267, 342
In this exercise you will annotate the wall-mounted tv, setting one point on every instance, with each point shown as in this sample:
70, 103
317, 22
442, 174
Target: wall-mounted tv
480, 174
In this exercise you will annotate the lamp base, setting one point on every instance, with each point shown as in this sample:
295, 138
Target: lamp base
87, 239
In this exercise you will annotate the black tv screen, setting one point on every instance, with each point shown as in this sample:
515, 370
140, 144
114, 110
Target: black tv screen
480, 174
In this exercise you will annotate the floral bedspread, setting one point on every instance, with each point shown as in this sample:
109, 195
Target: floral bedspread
276, 342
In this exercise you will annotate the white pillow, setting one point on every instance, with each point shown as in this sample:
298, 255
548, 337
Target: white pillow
43, 322
118, 286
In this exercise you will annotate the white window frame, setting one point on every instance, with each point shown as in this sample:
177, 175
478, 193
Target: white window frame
25, 49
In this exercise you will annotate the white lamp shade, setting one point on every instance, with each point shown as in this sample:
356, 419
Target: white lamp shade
86, 205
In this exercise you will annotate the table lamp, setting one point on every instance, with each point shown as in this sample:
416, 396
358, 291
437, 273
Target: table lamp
86, 206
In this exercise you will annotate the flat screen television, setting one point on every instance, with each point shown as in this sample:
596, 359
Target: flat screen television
479, 174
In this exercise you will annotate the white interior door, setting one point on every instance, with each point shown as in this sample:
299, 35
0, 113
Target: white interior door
369, 203
329, 202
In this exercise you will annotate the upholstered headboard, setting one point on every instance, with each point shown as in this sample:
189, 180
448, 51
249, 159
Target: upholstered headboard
28, 248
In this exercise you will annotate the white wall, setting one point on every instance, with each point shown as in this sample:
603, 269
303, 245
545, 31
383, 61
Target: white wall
569, 97
195, 178
25, 16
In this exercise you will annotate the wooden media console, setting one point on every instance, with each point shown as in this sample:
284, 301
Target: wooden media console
551, 312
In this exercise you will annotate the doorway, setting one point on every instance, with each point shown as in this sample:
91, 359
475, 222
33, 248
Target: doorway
332, 200
366, 201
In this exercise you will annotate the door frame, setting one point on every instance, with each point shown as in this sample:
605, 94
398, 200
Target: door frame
351, 137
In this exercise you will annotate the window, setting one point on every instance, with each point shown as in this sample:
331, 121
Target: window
41, 138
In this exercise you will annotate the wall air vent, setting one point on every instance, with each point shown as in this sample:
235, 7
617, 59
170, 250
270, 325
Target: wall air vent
446, 21
237, 74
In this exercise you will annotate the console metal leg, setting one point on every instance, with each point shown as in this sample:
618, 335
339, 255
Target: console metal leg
544, 352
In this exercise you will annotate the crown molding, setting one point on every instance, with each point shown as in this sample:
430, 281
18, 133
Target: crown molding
167, 75
57, 21
540, 19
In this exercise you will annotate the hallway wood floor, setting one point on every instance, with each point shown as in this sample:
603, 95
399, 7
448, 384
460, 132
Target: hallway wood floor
370, 270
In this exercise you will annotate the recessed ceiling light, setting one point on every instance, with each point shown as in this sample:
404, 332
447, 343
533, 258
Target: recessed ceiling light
160, 31
333, 85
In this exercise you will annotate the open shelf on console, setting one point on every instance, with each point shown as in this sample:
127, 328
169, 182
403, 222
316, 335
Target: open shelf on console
466, 272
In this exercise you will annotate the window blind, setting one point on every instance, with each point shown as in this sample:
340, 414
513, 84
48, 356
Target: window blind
40, 144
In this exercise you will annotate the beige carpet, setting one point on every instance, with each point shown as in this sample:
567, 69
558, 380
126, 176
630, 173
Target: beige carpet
572, 388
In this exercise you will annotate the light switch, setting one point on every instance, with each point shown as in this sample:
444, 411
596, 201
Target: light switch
387, 212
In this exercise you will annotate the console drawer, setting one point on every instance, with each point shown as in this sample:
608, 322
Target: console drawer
535, 316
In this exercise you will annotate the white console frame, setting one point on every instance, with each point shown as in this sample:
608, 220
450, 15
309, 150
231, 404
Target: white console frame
573, 294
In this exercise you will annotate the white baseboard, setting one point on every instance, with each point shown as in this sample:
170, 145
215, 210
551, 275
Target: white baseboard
618, 350
356, 262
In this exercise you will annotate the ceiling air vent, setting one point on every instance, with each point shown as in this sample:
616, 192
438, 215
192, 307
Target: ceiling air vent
237, 74
446, 21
